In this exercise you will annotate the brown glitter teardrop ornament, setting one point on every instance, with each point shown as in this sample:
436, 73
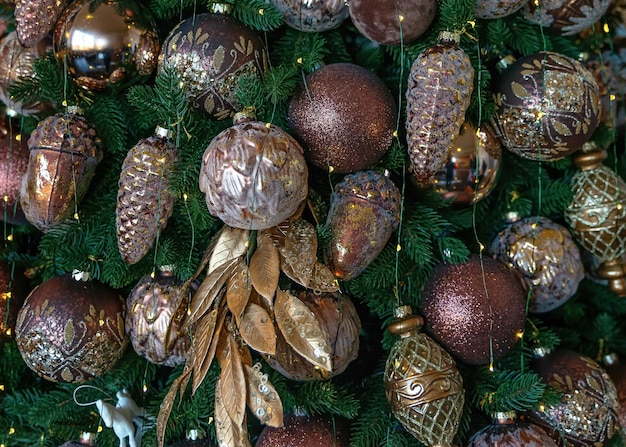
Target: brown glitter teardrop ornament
254, 175
12, 294
71, 330
422, 383
495, 9
34, 19
508, 432
144, 201
14, 156
312, 16
438, 94
306, 431
567, 17
364, 212
64, 154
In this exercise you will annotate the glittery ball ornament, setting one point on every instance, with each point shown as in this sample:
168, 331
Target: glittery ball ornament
312, 16
587, 413
71, 330
472, 168
14, 155
210, 52
495, 9
422, 382
391, 22
547, 106
344, 116
617, 372
34, 19
566, 17
506, 431
254, 175
438, 94
144, 200
364, 213
105, 43
483, 300
155, 319
597, 216
12, 294
306, 431
341, 326
64, 154
547, 258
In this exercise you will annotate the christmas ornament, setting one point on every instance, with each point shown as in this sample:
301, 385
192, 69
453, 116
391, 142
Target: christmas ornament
344, 116
144, 200
567, 17
481, 299
195, 438
422, 383
472, 168
495, 9
587, 414
312, 16
64, 153
547, 258
254, 175
210, 52
35, 19
125, 418
438, 94
364, 212
596, 215
70, 330
617, 372
86, 439
306, 431
506, 431
14, 156
391, 22
547, 106
341, 326
104, 43
155, 318
12, 294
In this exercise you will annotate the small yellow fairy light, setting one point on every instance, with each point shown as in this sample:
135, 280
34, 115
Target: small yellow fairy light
10, 237
8, 332
398, 247
101, 322
491, 368
11, 430
606, 28
618, 206
400, 18
299, 60
268, 125
152, 274
261, 11
539, 114
145, 388
536, 2
331, 169
18, 137
612, 97
520, 334
100, 429
395, 133
185, 197
481, 247
542, 408
6, 295
76, 216
6, 198
1, 387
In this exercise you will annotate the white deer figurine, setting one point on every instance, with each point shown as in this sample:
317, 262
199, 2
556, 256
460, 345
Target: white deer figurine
126, 418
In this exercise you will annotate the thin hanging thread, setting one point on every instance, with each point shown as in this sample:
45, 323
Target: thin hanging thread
87, 404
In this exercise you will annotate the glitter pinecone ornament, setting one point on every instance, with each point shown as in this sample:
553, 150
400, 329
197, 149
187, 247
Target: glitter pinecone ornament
144, 201
422, 383
438, 94
507, 431
34, 19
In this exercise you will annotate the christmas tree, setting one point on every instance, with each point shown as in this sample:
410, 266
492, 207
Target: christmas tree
276, 222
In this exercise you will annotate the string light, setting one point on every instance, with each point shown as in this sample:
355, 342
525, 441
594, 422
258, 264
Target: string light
398, 247
11, 430
261, 11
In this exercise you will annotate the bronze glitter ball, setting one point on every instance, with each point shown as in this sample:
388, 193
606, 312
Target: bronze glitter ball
306, 431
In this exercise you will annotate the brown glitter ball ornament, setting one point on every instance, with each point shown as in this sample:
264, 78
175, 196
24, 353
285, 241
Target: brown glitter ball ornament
71, 330
454, 302
472, 169
254, 175
422, 383
34, 19
86, 439
364, 212
312, 16
617, 372
597, 216
306, 431
508, 432
547, 106
14, 156
547, 258
379, 20
341, 325
64, 154
587, 414
567, 17
344, 116
104, 44
494, 9
12, 294
144, 201
438, 94
210, 52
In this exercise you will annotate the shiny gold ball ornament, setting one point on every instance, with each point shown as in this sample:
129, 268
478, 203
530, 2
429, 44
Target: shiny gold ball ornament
313, 16
253, 174
422, 383
547, 106
104, 43
34, 19
566, 17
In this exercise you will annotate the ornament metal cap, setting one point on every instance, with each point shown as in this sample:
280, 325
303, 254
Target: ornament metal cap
163, 132
247, 114
504, 417
79, 275
505, 62
75, 110
221, 8
450, 36
610, 359
11, 113
406, 324
87, 438
541, 352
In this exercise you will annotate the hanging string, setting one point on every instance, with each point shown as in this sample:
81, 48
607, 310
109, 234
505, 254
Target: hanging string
87, 404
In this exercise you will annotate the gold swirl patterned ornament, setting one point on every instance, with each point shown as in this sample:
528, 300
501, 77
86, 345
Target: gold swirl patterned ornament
422, 382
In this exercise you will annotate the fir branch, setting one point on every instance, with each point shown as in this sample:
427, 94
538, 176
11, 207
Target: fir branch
453, 250
370, 429
258, 14
299, 49
509, 390
327, 397
107, 116
168, 9
455, 15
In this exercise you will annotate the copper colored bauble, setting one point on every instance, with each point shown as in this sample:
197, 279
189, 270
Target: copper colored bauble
508, 432
306, 431
547, 106
210, 52
155, 319
34, 19
254, 175
104, 43
547, 258
71, 330
438, 94
12, 294
454, 302
313, 16
64, 153
380, 20
14, 156
617, 372
567, 17
472, 168
423, 384
344, 116
587, 414
364, 213
341, 326
144, 200
494, 9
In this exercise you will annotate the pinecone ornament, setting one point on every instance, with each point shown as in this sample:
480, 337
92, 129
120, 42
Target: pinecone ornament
438, 94
34, 19
423, 384
144, 201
